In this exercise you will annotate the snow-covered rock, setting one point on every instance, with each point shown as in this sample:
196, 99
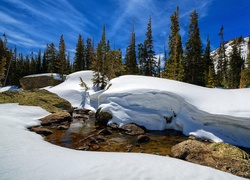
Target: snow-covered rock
157, 104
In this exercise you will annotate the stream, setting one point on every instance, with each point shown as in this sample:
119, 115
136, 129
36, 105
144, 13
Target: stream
83, 133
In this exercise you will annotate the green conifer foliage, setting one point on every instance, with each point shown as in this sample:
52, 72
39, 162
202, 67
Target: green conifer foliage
89, 53
79, 63
246, 72
62, 61
174, 68
130, 57
3, 62
99, 63
194, 65
235, 66
222, 72
209, 72
150, 63
114, 64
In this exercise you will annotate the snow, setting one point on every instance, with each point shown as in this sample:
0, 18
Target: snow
71, 90
158, 104
243, 46
155, 103
54, 75
9, 88
24, 155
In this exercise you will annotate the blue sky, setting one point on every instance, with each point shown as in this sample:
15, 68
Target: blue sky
31, 24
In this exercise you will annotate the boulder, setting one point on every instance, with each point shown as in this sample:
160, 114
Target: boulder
57, 117
41, 130
143, 138
132, 129
222, 156
102, 117
35, 82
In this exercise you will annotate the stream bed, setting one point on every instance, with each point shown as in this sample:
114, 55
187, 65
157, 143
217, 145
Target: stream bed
83, 133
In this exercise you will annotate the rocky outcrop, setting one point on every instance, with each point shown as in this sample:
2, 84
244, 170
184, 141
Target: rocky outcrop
34, 82
57, 118
220, 156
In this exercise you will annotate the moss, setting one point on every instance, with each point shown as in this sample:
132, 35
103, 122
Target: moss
229, 150
43, 98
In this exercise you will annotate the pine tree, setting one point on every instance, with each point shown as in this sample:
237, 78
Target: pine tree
246, 72
209, 73
222, 62
99, 63
51, 58
62, 61
173, 65
235, 66
89, 53
39, 62
150, 64
3, 62
142, 55
79, 63
194, 66
114, 64
32, 64
130, 57
159, 67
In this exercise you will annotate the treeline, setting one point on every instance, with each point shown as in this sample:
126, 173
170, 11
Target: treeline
192, 64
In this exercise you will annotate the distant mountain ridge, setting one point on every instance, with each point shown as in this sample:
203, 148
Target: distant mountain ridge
241, 42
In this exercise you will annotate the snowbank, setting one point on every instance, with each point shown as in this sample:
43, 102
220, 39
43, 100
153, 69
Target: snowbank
157, 104
71, 90
26, 156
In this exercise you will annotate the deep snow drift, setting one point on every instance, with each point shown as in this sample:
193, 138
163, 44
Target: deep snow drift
72, 91
157, 104
24, 155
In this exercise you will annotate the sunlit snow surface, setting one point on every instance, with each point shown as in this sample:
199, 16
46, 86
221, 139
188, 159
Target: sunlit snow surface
216, 114
24, 155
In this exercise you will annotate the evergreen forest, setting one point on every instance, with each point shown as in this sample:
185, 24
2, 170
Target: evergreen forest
189, 62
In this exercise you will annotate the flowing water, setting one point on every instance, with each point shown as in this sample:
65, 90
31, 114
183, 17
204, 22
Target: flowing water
84, 134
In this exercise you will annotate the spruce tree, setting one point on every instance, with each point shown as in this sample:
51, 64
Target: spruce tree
130, 57
51, 54
194, 65
79, 63
3, 62
89, 54
150, 63
39, 62
209, 73
142, 55
32, 66
235, 66
114, 64
246, 72
62, 61
99, 63
222, 74
175, 53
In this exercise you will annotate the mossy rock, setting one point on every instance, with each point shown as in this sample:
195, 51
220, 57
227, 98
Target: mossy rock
103, 117
49, 101
228, 150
